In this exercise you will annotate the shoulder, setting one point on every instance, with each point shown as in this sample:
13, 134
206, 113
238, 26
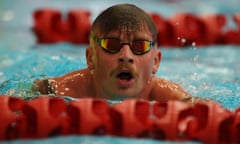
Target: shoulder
73, 82
71, 76
74, 74
164, 90
161, 83
73, 79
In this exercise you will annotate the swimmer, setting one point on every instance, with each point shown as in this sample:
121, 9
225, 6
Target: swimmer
122, 61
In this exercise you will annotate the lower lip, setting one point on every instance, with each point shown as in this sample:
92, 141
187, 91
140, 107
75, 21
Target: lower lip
125, 83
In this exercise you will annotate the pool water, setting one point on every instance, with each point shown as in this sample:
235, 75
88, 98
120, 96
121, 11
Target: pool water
208, 72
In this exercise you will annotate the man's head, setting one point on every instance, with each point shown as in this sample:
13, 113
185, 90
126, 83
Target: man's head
125, 17
123, 52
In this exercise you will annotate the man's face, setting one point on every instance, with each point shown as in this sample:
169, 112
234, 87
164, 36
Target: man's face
123, 74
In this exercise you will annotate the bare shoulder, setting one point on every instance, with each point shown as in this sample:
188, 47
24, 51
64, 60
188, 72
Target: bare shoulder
74, 74
164, 90
71, 82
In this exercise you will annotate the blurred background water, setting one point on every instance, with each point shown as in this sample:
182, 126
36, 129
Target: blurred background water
209, 71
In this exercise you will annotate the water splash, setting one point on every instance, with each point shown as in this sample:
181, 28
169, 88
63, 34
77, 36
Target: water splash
18, 89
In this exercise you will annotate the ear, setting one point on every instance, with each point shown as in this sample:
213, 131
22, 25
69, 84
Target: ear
157, 60
90, 58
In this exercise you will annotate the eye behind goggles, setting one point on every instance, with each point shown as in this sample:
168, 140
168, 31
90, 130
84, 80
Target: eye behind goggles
114, 45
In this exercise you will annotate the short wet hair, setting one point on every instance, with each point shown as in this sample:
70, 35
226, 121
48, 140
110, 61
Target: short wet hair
123, 16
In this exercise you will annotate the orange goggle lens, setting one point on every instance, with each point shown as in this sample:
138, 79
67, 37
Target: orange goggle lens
112, 45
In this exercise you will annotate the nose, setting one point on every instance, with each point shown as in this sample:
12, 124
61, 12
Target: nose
125, 54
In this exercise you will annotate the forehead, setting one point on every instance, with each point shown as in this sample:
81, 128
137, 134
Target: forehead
125, 32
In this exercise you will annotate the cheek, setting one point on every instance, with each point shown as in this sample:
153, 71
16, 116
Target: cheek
146, 64
144, 68
104, 63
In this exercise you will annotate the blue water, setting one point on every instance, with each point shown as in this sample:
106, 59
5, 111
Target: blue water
209, 72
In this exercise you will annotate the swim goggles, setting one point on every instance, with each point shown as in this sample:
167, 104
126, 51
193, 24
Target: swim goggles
114, 45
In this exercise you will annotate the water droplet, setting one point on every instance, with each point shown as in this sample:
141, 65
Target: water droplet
66, 89
183, 40
193, 44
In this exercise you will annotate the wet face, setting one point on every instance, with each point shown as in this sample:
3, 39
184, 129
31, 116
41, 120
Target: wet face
123, 74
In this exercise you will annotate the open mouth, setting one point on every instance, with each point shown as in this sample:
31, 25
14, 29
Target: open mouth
125, 75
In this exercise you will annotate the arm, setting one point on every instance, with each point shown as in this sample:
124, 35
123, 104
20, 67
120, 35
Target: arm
49, 85
44, 86
74, 84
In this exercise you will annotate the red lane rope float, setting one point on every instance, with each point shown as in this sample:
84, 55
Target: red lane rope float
180, 29
176, 121
49, 27
9, 117
44, 117
184, 29
232, 36
90, 117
